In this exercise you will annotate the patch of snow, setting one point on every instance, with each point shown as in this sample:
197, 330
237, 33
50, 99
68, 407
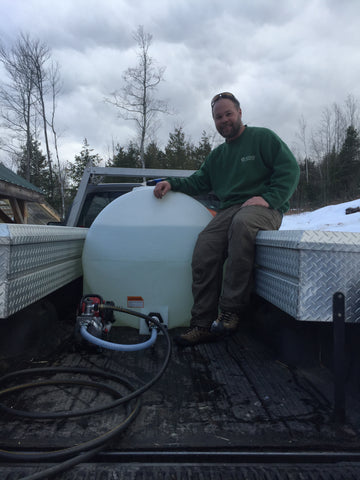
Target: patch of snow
330, 218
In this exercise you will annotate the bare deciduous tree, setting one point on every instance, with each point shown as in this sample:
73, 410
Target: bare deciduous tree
324, 151
17, 100
302, 136
33, 77
55, 90
352, 112
39, 55
136, 100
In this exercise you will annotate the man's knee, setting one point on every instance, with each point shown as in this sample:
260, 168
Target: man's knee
257, 218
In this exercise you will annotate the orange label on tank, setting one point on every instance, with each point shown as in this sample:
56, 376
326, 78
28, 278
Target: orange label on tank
135, 302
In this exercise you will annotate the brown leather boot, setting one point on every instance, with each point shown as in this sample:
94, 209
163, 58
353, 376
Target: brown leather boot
194, 336
227, 322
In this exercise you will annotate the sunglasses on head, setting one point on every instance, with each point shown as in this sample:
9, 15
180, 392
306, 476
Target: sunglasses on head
217, 97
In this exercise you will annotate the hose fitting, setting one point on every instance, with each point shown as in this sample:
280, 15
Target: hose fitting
155, 322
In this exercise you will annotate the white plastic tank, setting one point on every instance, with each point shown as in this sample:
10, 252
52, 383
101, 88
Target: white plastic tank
138, 253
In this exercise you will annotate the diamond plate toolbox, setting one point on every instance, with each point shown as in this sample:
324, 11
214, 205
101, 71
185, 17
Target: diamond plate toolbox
299, 271
36, 260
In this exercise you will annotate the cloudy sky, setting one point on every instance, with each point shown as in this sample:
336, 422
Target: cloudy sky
283, 59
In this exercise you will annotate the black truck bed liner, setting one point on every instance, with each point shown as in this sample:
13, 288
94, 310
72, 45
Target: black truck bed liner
216, 406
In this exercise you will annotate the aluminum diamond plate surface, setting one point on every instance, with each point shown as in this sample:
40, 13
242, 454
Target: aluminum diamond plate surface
299, 272
36, 260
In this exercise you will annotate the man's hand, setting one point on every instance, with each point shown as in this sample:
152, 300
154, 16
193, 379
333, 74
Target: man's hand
256, 201
161, 189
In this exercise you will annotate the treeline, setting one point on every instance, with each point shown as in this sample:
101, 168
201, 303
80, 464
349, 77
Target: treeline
333, 178
327, 177
179, 153
330, 158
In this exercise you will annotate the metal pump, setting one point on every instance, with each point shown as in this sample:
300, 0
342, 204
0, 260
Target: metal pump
97, 321
95, 318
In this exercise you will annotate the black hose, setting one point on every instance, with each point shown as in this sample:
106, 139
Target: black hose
84, 371
101, 373
93, 446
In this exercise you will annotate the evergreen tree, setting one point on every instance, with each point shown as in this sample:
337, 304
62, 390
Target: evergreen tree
128, 158
202, 150
154, 157
37, 172
124, 158
76, 169
313, 189
348, 165
333, 191
309, 192
178, 151
328, 172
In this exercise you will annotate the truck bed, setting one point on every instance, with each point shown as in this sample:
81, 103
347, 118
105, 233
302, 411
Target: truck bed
230, 409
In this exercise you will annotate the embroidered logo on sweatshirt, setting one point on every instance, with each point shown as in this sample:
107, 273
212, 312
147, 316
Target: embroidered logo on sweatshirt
248, 158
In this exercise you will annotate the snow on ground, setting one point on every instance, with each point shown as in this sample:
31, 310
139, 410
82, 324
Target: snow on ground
331, 218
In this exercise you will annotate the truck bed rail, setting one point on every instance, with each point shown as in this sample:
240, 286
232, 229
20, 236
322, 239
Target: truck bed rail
36, 260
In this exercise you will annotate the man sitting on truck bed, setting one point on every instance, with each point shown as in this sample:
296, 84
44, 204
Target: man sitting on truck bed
254, 174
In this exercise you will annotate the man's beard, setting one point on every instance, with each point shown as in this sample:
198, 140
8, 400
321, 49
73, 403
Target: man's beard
231, 131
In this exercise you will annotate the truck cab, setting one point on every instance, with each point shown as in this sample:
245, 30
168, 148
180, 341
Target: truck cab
95, 193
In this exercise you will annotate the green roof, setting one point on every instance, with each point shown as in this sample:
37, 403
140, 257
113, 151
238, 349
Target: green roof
7, 175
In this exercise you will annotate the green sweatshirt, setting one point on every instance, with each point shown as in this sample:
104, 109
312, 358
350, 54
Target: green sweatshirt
258, 163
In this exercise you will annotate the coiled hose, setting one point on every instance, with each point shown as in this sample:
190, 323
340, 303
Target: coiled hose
85, 450
118, 346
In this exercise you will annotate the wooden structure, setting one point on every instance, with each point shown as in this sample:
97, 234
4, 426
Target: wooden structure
22, 202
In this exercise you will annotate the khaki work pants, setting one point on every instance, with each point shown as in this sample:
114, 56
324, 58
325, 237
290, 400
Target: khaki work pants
230, 236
